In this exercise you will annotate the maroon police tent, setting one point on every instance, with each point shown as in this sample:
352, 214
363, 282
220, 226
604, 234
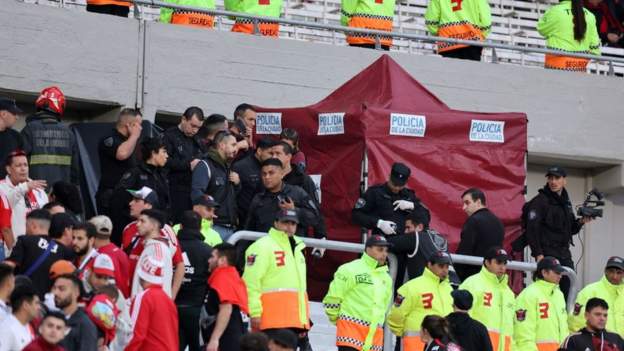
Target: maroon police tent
388, 116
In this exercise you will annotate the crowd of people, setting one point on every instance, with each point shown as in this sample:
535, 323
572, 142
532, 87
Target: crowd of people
153, 269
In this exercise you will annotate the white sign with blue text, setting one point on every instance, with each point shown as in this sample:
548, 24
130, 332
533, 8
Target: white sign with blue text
331, 123
269, 123
487, 131
408, 125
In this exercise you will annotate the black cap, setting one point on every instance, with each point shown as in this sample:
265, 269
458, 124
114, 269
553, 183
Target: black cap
377, 240
146, 194
497, 253
287, 216
159, 216
284, 337
206, 200
440, 257
550, 263
615, 262
190, 220
59, 223
556, 171
462, 299
399, 174
7, 104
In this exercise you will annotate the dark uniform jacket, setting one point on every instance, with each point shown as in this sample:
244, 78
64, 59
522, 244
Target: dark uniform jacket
10, 140
468, 333
182, 150
52, 149
305, 182
211, 177
551, 224
481, 231
585, 340
196, 254
377, 203
111, 168
82, 333
248, 169
265, 205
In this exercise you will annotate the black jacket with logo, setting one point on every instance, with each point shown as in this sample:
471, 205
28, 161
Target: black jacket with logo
182, 150
584, 340
305, 182
196, 254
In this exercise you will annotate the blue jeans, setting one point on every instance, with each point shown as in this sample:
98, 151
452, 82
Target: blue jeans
2, 256
224, 232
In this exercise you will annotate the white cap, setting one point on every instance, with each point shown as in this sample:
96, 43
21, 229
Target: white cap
104, 265
103, 224
151, 270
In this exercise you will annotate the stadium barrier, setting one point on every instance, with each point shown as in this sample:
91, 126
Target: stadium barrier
392, 263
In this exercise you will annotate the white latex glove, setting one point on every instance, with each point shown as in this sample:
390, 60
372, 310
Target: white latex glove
387, 227
318, 252
403, 205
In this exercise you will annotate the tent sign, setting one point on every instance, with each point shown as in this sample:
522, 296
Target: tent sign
331, 123
407, 125
269, 123
487, 131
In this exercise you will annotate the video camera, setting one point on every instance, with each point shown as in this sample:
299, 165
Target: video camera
589, 208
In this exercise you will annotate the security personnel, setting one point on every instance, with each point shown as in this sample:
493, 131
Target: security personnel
205, 206
610, 289
569, 27
117, 155
494, 302
278, 196
188, 18
275, 274
119, 8
50, 145
358, 298
266, 8
541, 318
185, 151
551, 223
459, 19
368, 14
429, 294
384, 207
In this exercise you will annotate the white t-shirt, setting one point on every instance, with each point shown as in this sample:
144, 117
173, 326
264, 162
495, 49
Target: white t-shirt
161, 252
17, 195
14, 336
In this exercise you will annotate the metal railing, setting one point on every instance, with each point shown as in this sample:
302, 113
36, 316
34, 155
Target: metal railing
392, 263
377, 34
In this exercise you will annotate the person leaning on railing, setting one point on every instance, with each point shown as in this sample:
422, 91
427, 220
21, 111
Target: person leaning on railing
267, 8
188, 18
570, 28
368, 14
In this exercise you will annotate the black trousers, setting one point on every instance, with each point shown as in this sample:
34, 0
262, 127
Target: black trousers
188, 327
370, 46
468, 53
115, 10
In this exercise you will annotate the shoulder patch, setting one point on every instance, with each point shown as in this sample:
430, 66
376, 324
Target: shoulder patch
360, 203
251, 259
108, 141
398, 300
126, 175
577, 308
521, 315
532, 215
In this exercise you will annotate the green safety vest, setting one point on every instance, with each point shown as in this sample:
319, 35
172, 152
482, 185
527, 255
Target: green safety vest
612, 294
557, 28
541, 319
167, 14
211, 237
458, 19
358, 299
493, 305
269, 8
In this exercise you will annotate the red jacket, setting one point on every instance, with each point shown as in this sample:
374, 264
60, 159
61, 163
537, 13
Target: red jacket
155, 321
122, 267
41, 345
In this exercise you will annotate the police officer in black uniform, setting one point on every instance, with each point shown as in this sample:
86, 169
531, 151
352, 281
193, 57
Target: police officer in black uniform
117, 155
150, 173
551, 223
185, 150
384, 207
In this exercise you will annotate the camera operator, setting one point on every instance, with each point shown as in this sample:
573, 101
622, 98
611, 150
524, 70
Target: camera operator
551, 222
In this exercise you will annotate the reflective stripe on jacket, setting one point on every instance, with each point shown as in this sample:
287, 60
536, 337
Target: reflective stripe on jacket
275, 275
188, 18
612, 294
357, 301
267, 8
458, 19
493, 305
367, 14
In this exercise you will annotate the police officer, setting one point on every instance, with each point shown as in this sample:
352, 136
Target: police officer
551, 223
117, 155
185, 151
384, 207
277, 196
358, 298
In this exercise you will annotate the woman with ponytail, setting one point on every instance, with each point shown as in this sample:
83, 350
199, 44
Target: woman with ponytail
435, 334
569, 27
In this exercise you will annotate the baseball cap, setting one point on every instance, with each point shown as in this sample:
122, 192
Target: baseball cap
151, 270
440, 257
8, 104
103, 224
157, 215
206, 200
462, 299
60, 222
61, 267
550, 263
556, 171
287, 216
146, 194
284, 337
377, 240
190, 220
615, 262
103, 265
497, 253
399, 174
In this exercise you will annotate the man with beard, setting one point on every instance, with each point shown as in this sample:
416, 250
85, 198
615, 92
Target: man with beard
83, 236
82, 332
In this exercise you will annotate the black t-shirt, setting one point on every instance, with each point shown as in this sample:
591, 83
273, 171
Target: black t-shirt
26, 252
111, 168
10, 140
234, 330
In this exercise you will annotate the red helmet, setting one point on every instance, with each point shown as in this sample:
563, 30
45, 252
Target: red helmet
51, 99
